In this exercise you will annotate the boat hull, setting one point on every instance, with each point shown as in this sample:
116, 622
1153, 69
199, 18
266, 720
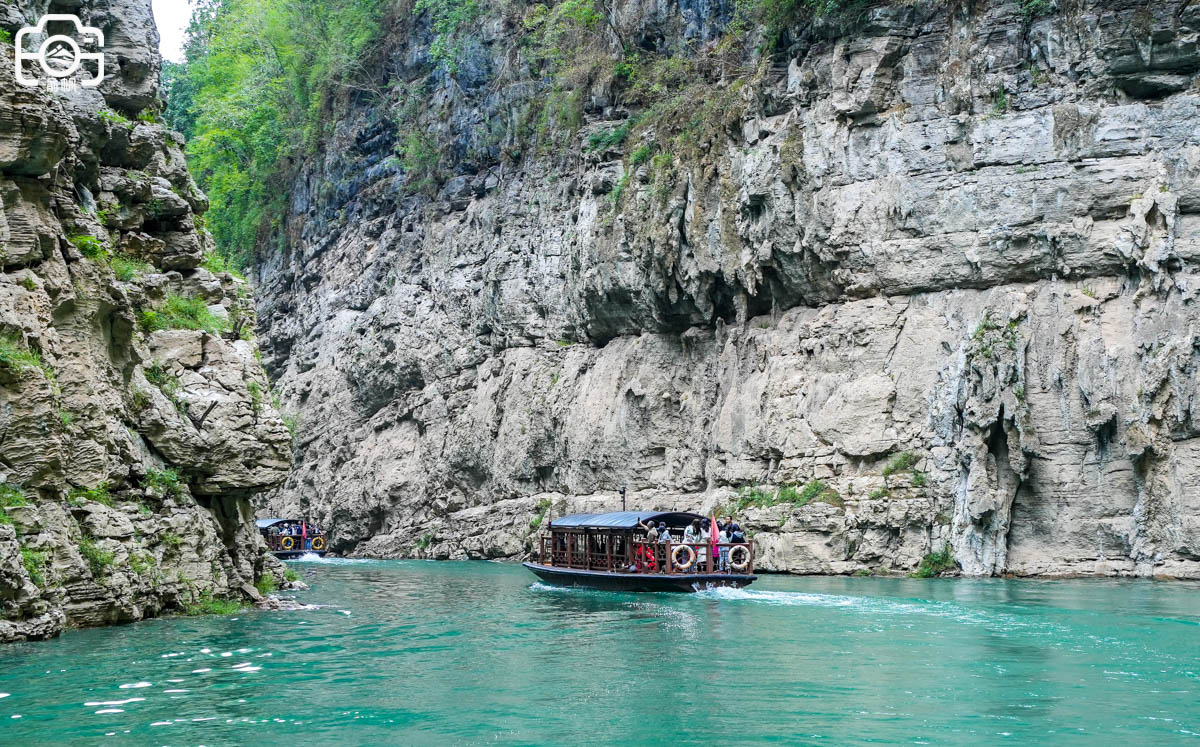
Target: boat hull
608, 581
293, 554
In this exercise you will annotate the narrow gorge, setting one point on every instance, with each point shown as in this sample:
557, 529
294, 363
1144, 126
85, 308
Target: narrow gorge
910, 277
134, 420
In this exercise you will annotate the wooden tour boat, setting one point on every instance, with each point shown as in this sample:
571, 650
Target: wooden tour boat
291, 538
601, 551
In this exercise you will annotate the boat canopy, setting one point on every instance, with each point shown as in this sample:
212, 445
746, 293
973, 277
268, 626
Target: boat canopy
264, 523
624, 520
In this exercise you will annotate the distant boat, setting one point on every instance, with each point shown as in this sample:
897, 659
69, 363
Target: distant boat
291, 538
601, 551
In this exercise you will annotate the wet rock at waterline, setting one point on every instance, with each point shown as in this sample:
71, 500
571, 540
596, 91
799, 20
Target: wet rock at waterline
933, 274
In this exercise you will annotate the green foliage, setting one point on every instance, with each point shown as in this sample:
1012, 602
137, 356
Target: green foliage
65, 418
256, 394
98, 494
207, 604
905, 460
879, 493
113, 117
141, 563
557, 33
253, 96
164, 482
90, 247
266, 585
127, 269
542, 508
448, 19
919, 480
608, 138
11, 496
158, 375
149, 116
35, 563
777, 16
419, 157
14, 355
936, 563
29, 283
999, 101
170, 540
291, 576
1032, 8
97, 558
642, 154
181, 312
425, 541
292, 423
821, 493
6, 36
216, 263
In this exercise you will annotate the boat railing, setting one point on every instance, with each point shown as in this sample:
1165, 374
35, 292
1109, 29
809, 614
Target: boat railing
576, 551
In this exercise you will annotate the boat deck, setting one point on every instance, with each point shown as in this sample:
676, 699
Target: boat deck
621, 581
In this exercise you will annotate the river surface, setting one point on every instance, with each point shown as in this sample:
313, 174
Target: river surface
412, 652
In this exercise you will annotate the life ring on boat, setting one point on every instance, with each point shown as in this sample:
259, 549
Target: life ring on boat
287, 543
735, 565
318, 544
691, 557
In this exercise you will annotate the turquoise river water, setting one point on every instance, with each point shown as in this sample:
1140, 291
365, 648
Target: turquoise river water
411, 652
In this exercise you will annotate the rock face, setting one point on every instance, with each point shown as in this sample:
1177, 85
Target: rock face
935, 268
128, 448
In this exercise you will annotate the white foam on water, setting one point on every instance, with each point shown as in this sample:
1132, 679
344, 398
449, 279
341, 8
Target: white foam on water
111, 710
175, 691
161, 723
201, 671
877, 606
4, 695
94, 703
136, 685
310, 557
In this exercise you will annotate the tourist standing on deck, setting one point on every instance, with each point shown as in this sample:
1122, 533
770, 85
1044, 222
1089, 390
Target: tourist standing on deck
724, 539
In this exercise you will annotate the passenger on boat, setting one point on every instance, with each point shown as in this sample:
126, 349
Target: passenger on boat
651, 532
736, 535
724, 552
664, 534
691, 533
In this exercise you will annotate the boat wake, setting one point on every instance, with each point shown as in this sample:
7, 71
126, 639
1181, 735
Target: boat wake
878, 606
310, 557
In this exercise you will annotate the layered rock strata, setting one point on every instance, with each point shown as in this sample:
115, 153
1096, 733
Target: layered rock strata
129, 446
932, 272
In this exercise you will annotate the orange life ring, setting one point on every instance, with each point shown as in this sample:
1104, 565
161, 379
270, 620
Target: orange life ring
691, 555
736, 565
318, 544
287, 543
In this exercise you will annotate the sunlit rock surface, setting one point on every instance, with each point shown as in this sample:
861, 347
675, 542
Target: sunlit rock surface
112, 406
952, 231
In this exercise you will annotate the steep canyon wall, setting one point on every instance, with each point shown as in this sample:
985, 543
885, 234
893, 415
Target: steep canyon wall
933, 266
129, 447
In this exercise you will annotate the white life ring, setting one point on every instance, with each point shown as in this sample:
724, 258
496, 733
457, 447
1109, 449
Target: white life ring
691, 557
735, 565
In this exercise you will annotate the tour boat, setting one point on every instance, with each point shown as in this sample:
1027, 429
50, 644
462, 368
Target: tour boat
291, 538
600, 551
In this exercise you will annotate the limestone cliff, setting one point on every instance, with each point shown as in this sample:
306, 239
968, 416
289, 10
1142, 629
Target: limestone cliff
129, 443
925, 276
